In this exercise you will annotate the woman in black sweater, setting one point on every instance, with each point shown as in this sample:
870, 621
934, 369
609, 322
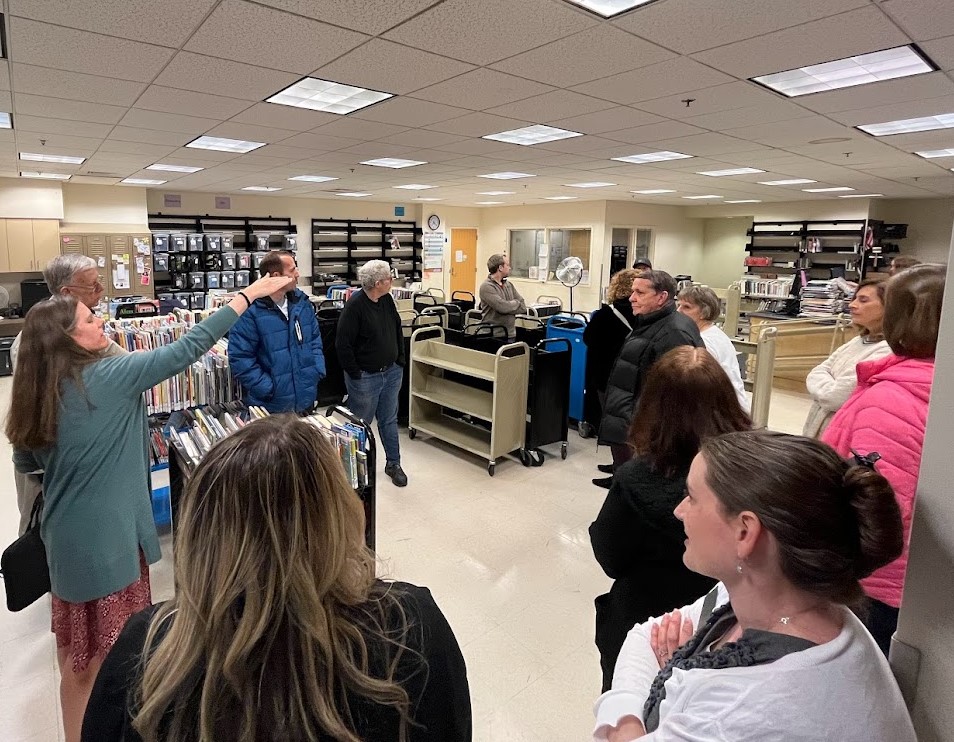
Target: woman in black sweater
637, 540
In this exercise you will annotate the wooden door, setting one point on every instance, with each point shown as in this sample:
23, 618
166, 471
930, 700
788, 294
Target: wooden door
20, 245
463, 261
46, 241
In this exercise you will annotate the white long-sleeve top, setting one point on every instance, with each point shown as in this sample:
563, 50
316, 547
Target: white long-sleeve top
833, 380
721, 348
841, 690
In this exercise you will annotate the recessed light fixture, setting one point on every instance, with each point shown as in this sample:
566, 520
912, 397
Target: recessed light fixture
561, 198
933, 153
488, 203
5, 121
174, 168
863, 195
908, 126
221, 144
889, 64
353, 194
64, 159
652, 157
495, 193
422, 198
827, 190
693, 198
46, 176
507, 176
395, 163
313, 178
592, 184
790, 181
745, 201
731, 171
829, 140
609, 8
265, 189
415, 187
530, 135
325, 95
653, 191
142, 181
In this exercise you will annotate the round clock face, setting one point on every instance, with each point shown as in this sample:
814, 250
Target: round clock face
433, 221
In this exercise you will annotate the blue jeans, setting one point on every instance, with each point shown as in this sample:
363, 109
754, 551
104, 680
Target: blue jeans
375, 395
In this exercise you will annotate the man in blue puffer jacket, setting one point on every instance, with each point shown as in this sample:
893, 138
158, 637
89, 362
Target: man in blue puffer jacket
275, 348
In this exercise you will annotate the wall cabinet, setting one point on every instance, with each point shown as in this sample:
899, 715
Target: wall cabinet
105, 249
27, 245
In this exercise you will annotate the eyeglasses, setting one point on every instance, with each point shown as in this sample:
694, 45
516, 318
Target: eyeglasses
94, 288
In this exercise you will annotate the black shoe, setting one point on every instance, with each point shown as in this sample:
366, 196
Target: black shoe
605, 482
606, 468
398, 477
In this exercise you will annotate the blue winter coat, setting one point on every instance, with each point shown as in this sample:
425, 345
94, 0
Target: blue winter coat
278, 361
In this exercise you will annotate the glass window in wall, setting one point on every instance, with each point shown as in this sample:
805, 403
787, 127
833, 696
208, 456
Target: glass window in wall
643, 245
565, 243
524, 248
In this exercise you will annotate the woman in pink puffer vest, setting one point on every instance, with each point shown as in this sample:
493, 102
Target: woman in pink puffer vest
887, 414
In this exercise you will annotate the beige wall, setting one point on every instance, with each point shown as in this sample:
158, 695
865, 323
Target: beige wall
104, 208
929, 225
723, 250
677, 238
452, 217
30, 199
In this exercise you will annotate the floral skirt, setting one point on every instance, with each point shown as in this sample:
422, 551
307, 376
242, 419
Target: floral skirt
90, 629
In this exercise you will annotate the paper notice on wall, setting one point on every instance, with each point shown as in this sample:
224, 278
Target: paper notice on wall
142, 246
120, 276
533, 272
144, 279
101, 261
140, 265
459, 256
544, 248
542, 268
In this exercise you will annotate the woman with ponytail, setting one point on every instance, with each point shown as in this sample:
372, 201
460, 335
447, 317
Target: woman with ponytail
788, 528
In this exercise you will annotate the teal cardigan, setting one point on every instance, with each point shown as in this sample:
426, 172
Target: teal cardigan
97, 511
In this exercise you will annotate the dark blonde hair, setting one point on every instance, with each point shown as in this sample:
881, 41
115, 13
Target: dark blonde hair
277, 609
912, 310
704, 298
48, 358
621, 284
691, 381
834, 522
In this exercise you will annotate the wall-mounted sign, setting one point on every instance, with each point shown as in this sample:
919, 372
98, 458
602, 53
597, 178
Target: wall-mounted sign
398, 211
223, 202
172, 200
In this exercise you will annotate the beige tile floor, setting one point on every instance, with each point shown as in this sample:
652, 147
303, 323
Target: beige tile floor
507, 558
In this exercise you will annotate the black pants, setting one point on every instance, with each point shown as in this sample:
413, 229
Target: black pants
882, 621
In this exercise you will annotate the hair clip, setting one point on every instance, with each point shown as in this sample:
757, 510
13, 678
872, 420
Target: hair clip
868, 461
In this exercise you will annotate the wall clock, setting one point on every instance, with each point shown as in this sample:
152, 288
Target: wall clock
433, 222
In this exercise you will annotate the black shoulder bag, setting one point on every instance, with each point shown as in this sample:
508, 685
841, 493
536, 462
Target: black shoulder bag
26, 574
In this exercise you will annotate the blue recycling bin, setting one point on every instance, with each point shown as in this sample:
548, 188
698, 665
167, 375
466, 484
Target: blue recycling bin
571, 327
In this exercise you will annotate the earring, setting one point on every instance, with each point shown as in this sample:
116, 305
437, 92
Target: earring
738, 567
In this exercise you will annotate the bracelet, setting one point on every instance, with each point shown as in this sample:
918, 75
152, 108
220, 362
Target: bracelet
248, 302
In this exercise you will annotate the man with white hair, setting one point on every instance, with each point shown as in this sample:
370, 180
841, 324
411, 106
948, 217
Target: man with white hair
370, 348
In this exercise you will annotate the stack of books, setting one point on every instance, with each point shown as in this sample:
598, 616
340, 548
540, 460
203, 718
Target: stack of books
820, 299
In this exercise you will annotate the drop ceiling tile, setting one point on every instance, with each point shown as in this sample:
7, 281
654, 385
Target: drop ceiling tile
61, 126
176, 122
283, 117
485, 147
43, 44
941, 51
855, 32
800, 131
876, 95
709, 100
319, 142
484, 32
923, 19
75, 110
409, 112
142, 149
707, 144
368, 17
655, 81
481, 89
580, 144
249, 132
912, 170
588, 55
391, 68
171, 100
423, 138
150, 136
4, 75
478, 124
653, 132
209, 156
612, 119
270, 38
59, 144
693, 25
74, 86
352, 128
922, 140
93, 180
558, 104
202, 74
749, 116
168, 23
892, 111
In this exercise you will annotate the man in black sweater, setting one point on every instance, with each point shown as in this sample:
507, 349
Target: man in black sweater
370, 348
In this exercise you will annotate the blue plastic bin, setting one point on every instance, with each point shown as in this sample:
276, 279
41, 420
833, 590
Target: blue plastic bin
161, 494
571, 327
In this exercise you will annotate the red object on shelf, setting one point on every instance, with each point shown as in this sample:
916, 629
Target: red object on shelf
758, 261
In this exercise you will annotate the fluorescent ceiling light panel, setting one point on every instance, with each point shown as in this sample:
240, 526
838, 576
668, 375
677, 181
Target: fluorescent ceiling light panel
326, 95
174, 168
653, 191
593, 184
507, 176
415, 187
142, 181
863, 195
693, 198
65, 159
488, 203
354, 194
46, 176
530, 135
561, 198
908, 126
652, 157
745, 201
313, 178
221, 144
931, 154
609, 8
731, 171
422, 198
790, 181
827, 190
889, 64
495, 193
5, 121
267, 189
395, 163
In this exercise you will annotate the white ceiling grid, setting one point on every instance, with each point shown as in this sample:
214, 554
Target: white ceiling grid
128, 83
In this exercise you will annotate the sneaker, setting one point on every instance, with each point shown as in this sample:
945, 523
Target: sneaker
605, 482
398, 477
606, 468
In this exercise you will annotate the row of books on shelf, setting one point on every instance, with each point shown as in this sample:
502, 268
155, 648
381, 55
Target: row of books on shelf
195, 431
756, 287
